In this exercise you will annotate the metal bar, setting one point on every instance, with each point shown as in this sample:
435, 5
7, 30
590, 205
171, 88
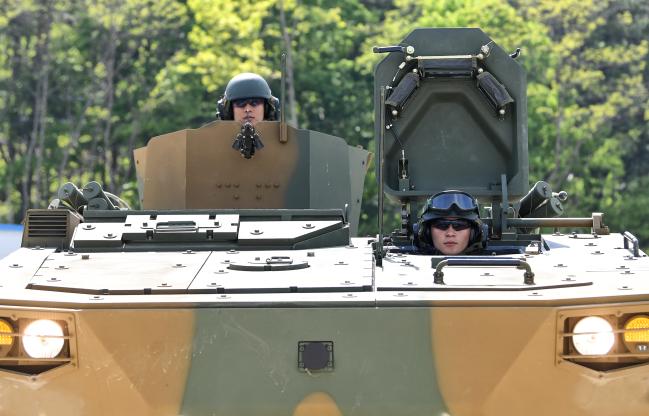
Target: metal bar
433, 57
19, 335
381, 168
484, 262
282, 103
386, 49
628, 237
618, 355
549, 222
39, 360
614, 331
505, 203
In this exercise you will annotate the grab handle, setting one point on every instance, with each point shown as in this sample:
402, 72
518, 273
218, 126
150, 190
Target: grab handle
176, 226
630, 238
484, 262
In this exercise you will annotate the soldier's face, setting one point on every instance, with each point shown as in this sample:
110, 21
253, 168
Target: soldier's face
449, 240
248, 110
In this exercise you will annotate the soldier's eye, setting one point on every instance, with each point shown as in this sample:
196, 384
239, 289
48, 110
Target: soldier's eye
245, 101
458, 225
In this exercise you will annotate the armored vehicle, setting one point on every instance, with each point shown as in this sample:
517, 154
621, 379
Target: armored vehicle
239, 288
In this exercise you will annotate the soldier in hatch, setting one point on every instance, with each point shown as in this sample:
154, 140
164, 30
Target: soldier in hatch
247, 99
450, 225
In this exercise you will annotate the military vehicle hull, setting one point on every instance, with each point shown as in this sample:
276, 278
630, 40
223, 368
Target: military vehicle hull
252, 298
476, 345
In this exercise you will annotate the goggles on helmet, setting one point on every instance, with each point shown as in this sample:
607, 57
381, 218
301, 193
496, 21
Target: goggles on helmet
445, 201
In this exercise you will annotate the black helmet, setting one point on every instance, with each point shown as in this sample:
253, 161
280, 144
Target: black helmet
451, 204
247, 85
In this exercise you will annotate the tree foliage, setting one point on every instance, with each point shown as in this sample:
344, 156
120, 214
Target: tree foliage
84, 83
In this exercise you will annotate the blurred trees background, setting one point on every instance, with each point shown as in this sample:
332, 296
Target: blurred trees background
83, 83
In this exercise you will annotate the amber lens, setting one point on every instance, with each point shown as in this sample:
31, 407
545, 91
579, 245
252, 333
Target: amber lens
5, 327
637, 329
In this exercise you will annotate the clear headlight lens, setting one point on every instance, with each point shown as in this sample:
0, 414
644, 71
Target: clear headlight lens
43, 339
593, 335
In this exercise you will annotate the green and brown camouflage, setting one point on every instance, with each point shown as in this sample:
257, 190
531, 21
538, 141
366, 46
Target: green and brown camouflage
240, 288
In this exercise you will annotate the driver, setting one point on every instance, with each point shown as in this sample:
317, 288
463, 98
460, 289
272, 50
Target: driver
247, 99
450, 224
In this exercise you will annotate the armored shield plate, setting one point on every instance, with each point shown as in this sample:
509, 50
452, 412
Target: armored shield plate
458, 129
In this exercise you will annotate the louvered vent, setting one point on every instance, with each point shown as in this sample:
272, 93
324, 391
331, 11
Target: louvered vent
49, 228
44, 226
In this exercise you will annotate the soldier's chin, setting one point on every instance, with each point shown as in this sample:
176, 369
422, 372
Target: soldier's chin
451, 249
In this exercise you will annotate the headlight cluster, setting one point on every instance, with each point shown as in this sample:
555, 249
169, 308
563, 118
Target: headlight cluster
604, 341
593, 335
6, 337
43, 339
32, 346
636, 333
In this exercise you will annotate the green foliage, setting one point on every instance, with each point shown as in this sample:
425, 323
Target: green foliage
84, 83
593, 125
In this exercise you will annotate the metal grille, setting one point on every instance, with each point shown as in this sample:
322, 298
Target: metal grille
54, 225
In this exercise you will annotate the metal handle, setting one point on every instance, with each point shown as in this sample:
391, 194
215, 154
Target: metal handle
279, 260
385, 49
176, 226
484, 262
628, 237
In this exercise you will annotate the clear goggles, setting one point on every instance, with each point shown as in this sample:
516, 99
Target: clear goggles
446, 201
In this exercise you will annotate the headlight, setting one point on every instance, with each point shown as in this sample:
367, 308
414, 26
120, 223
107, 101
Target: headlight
593, 335
636, 333
43, 339
6, 340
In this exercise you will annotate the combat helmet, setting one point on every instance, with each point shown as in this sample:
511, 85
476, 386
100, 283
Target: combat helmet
247, 85
451, 203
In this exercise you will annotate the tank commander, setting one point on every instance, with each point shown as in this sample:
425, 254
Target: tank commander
247, 99
450, 225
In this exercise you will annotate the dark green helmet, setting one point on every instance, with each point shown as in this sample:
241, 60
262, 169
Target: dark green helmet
451, 204
247, 85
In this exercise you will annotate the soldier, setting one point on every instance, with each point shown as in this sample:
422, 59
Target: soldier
450, 224
247, 99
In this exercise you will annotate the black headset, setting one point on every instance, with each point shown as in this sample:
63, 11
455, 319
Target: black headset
271, 109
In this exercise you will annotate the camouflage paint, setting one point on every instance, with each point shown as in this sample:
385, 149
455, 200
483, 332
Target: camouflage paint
130, 362
244, 361
513, 371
